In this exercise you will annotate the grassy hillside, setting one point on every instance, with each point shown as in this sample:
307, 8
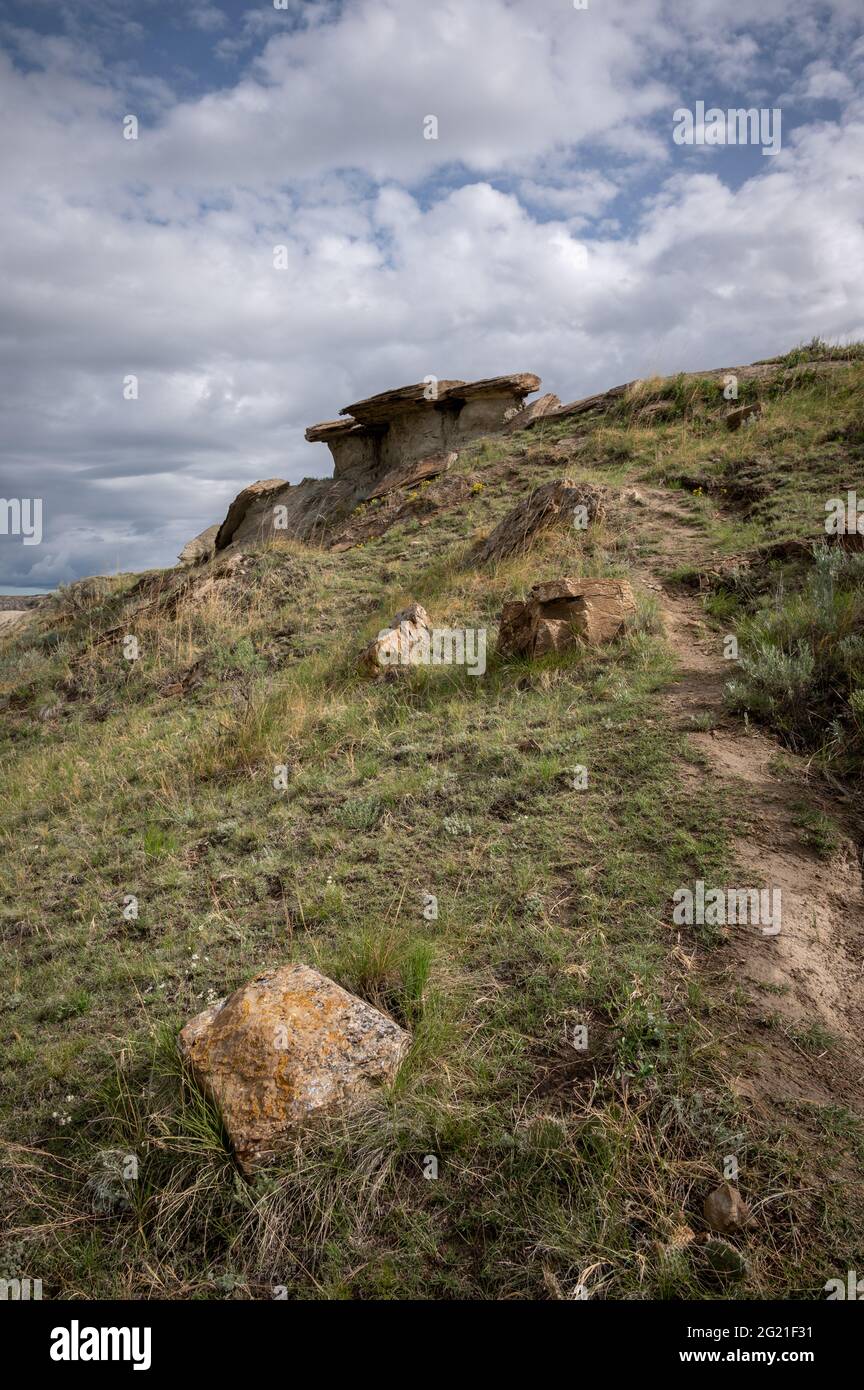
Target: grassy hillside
560, 1169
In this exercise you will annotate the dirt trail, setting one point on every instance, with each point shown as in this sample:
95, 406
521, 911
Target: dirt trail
11, 618
806, 982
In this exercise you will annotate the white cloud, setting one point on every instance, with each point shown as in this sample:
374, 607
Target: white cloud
822, 82
155, 257
206, 17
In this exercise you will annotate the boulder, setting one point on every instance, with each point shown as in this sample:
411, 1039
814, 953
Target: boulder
406, 642
550, 504
254, 494
286, 1047
201, 549
521, 419
557, 615
413, 473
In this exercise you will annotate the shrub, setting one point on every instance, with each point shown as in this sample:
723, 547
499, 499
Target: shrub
802, 663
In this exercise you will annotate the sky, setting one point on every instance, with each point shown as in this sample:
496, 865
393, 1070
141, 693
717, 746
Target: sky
554, 225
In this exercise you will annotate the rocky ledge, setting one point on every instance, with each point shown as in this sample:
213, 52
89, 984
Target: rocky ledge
410, 432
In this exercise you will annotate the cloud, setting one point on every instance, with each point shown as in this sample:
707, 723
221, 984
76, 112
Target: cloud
552, 227
206, 17
822, 82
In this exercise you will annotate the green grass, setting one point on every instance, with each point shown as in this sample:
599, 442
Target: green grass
818, 350
776, 475
821, 833
155, 780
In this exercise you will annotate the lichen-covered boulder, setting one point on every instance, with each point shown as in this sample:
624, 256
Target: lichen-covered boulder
288, 1046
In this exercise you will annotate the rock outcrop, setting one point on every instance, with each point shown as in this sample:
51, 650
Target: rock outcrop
384, 442
544, 405
410, 474
413, 422
200, 549
557, 615
389, 441
284, 1048
559, 503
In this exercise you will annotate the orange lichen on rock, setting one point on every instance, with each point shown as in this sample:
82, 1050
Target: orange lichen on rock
289, 1044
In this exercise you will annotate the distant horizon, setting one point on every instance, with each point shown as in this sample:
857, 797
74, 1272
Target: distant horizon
17, 591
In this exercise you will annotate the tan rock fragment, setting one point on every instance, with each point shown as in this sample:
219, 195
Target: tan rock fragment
559, 613
725, 1209
406, 642
522, 419
200, 549
744, 415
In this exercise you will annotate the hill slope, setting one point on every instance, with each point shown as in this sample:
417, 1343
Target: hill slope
560, 1168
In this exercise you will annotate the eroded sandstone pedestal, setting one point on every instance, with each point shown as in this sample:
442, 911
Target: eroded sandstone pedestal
412, 432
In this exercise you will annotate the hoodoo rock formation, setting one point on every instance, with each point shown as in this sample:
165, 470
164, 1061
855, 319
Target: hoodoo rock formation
413, 433
410, 431
396, 427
